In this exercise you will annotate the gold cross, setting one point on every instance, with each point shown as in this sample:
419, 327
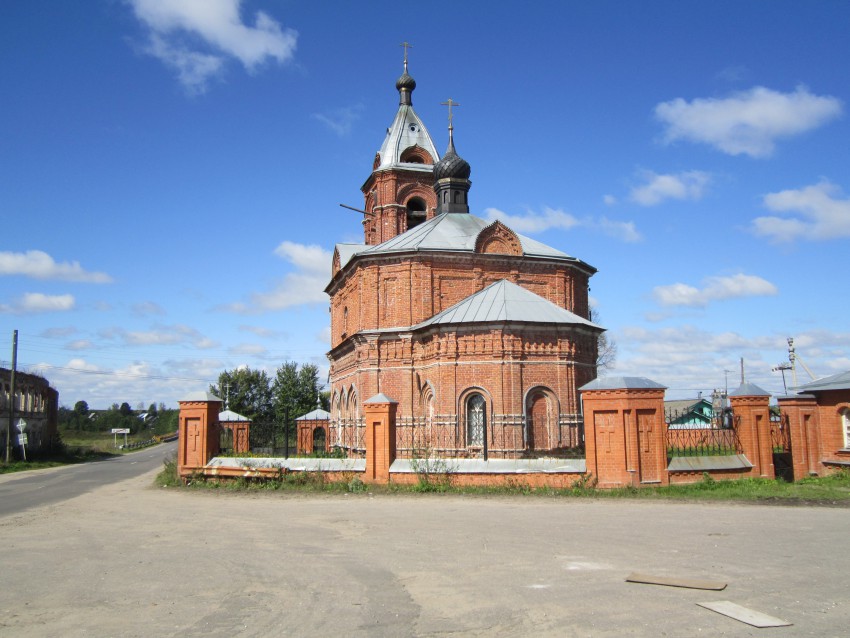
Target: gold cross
450, 104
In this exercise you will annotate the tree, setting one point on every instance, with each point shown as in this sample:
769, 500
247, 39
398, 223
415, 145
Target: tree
295, 391
81, 408
247, 392
606, 348
125, 409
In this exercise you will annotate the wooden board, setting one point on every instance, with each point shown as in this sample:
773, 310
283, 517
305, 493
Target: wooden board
748, 616
690, 583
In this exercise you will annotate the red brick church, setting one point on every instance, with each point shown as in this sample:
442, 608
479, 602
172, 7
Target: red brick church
481, 335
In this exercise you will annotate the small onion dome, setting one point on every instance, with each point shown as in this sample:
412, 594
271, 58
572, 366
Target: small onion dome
452, 165
405, 82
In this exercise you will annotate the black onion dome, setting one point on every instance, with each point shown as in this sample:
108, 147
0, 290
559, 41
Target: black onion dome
405, 82
452, 165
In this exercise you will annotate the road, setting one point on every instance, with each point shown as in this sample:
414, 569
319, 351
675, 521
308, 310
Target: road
24, 490
128, 559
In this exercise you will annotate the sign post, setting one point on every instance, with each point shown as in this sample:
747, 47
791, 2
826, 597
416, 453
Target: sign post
22, 437
116, 432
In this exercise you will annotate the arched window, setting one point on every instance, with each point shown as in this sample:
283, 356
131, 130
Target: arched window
416, 212
476, 420
845, 427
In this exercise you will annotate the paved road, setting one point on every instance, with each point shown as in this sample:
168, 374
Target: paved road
23, 490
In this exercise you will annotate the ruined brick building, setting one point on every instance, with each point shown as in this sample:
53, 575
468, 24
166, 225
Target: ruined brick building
480, 334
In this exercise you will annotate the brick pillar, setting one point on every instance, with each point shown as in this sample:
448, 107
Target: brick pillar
802, 414
380, 413
198, 431
624, 431
750, 405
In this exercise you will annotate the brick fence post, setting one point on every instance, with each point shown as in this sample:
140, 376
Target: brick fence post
624, 431
804, 429
380, 413
750, 405
198, 431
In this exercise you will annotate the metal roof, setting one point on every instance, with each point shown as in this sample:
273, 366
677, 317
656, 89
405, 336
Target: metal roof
455, 232
347, 251
229, 416
505, 301
315, 415
380, 398
748, 389
622, 383
406, 130
840, 381
199, 396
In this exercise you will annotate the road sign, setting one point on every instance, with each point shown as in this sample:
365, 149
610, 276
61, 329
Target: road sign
21, 425
120, 430
22, 439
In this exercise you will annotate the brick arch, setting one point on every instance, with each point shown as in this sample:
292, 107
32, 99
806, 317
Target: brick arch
409, 191
542, 409
498, 239
416, 155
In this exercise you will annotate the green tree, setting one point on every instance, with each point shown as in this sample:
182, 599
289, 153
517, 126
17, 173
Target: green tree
295, 390
248, 392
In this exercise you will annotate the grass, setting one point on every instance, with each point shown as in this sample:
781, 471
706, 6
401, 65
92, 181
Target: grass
100, 442
62, 455
827, 490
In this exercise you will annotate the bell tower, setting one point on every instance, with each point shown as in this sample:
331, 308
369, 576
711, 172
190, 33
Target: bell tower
399, 193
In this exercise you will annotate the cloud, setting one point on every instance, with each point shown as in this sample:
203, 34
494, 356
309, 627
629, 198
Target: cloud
266, 333
689, 185
340, 120
36, 302
822, 214
162, 335
148, 308
714, 289
304, 286
196, 37
252, 349
748, 122
79, 344
624, 231
39, 265
533, 222
609, 200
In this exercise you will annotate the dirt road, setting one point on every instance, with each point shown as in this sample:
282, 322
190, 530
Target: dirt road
133, 560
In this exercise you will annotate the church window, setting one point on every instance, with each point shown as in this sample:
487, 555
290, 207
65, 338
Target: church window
845, 427
476, 420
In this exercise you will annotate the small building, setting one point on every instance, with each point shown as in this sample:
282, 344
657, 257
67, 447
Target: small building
37, 405
312, 431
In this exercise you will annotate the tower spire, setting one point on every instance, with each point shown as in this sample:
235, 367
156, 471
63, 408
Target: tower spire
405, 84
451, 174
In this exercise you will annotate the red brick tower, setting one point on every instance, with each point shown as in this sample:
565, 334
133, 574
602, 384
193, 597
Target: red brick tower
399, 193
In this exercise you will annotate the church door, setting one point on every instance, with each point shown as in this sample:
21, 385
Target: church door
537, 412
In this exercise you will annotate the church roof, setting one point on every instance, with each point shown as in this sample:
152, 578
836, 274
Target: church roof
406, 131
229, 416
622, 383
505, 301
454, 232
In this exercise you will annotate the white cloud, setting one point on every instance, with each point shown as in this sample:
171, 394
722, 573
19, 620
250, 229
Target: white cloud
36, 302
306, 285
714, 289
179, 28
609, 200
39, 265
148, 308
340, 120
80, 344
252, 349
266, 333
748, 122
822, 214
624, 231
689, 185
163, 335
533, 222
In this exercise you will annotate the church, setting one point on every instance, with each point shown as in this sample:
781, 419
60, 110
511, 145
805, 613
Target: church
482, 336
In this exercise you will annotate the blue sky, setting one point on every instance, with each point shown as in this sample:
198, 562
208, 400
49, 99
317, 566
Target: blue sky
170, 174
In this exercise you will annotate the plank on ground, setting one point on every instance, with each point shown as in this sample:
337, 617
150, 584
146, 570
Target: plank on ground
690, 583
744, 615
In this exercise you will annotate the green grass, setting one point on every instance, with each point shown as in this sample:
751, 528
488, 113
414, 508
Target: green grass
100, 442
63, 455
828, 490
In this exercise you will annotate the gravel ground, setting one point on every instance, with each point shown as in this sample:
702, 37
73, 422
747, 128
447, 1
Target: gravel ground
130, 559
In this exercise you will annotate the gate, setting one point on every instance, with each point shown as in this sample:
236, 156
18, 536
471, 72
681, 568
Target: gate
780, 439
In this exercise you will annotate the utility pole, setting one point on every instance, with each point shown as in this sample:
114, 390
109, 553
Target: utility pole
12, 400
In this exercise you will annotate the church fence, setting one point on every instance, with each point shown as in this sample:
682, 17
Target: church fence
444, 437
348, 436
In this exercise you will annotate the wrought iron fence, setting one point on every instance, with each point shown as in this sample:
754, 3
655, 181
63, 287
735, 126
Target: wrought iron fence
780, 433
702, 442
348, 436
504, 437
